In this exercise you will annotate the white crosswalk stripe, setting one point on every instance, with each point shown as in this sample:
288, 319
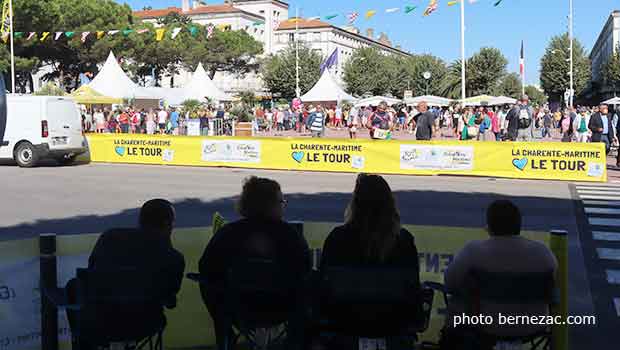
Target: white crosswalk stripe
601, 204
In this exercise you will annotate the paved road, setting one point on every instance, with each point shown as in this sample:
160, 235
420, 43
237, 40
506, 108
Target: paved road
92, 197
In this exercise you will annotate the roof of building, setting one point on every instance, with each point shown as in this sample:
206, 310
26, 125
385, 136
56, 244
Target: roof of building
302, 23
200, 10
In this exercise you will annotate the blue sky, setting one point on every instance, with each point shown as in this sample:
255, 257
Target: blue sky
534, 21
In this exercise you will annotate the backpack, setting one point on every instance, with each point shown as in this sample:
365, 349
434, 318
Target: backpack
525, 120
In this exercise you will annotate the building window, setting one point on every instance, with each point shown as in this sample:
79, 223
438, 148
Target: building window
291, 37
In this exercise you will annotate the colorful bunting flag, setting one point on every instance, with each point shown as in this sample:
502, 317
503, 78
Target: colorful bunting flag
57, 35
275, 24
142, 31
409, 9
473, 1
210, 29
330, 17
452, 3
84, 36
370, 13
497, 3
5, 37
112, 32
392, 10
432, 7
175, 32
18, 35
31, 35
159, 34
44, 36
316, 18
193, 30
100, 34
126, 32
256, 24
353, 17
69, 34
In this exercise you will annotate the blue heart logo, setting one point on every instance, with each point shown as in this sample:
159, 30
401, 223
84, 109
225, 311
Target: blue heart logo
298, 156
520, 163
120, 151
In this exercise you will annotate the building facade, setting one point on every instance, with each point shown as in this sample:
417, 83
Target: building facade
269, 23
606, 45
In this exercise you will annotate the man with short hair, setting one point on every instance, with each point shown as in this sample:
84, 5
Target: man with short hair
425, 122
601, 125
316, 122
525, 120
504, 251
174, 121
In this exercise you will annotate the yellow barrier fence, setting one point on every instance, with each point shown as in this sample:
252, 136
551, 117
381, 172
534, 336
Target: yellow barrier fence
532, 160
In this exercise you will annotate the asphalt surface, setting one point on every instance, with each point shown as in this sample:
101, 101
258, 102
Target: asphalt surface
90, 198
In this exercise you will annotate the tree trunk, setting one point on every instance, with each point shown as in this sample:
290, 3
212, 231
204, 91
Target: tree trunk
30, 83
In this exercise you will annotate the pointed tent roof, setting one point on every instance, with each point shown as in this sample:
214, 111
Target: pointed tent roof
113, 82
326, 89
201, 86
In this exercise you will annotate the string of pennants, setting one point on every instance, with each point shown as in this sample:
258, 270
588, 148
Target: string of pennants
160, 33
193, 30
432, 6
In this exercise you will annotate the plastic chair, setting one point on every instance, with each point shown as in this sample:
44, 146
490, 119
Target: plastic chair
107, 307
374, 303
509, 289
258, 295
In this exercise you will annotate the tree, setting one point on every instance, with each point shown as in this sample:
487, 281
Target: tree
450, 86
486, 68
555, 68
611, 71
421, 64
279, 75
510, 86
536, 96
368, 72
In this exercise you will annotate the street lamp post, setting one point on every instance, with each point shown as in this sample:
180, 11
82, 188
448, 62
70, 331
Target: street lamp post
427, 76
463, 91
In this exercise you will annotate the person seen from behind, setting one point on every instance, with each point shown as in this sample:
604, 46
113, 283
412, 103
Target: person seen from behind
261, 233
502, 252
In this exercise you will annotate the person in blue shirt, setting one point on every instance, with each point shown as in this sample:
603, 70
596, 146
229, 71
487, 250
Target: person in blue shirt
174, 121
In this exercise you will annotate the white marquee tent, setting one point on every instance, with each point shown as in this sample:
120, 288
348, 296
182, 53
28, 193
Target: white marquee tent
434, 101
613, 101
375, 100
113, 82
502, 100
201, 87
326, 90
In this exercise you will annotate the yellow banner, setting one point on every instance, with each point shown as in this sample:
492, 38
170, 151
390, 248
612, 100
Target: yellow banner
527, 160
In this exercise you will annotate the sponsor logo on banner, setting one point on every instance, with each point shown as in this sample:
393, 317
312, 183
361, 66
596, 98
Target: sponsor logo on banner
530, 159
423, 157
350, 156
143, 148
231, 151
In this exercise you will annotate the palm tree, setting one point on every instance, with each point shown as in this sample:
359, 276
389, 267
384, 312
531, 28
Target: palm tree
451, 84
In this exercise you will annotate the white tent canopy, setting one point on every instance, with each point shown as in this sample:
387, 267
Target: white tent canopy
201, 87
502, 100
325, 90
613, 101
376, 100
172, 96
430, 100
113, 82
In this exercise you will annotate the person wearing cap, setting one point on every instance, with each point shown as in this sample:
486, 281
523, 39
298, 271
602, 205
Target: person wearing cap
602, 127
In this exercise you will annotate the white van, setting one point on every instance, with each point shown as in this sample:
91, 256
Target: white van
39, 127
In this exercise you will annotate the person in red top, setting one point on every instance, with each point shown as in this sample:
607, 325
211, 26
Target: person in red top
123, 120
496, 128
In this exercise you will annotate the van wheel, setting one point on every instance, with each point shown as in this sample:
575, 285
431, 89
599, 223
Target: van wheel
26, 155
66, 160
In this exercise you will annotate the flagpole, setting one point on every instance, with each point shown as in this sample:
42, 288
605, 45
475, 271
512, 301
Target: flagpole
463, 86
570, 37
297, 90
12, 47
522, 74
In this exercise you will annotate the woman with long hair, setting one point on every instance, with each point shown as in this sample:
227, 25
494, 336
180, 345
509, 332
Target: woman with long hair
372, 232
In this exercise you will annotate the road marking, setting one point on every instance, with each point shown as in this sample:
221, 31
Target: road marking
606, 211
606, 236
613, 276
603, 203
604, 222
610, 198
608, 253
599, 192
596, 188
